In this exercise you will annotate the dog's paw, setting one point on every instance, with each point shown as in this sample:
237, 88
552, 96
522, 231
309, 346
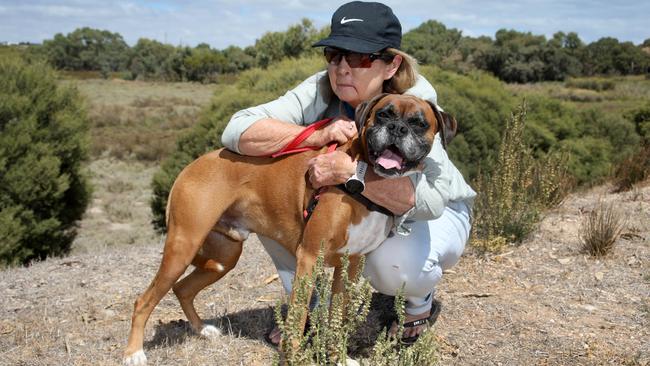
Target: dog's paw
210, 331
348, 362
136, 359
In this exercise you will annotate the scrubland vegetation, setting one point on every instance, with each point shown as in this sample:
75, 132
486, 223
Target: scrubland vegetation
538, 119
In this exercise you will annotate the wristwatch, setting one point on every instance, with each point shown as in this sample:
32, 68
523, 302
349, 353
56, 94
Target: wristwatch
355, 183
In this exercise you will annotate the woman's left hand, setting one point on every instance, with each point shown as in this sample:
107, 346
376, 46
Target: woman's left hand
330, 169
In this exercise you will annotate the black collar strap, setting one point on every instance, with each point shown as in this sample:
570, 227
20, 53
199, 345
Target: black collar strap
366, 202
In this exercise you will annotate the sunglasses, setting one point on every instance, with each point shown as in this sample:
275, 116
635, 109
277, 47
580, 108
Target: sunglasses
354, 59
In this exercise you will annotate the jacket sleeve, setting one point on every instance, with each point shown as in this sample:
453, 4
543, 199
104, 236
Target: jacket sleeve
303, 103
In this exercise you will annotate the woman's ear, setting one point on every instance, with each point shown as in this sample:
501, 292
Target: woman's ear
393, 66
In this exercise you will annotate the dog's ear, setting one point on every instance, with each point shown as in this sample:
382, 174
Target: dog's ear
363, 111
447, 125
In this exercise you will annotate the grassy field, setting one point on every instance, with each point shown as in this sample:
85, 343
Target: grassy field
611, 94
133, 126
136, 120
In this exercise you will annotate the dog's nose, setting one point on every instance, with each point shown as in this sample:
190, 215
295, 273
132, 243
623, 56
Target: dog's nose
397, 129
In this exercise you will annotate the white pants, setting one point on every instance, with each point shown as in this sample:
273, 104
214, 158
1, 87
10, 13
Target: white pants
417, 260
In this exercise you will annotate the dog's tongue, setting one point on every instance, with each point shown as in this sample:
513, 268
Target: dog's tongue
389, 159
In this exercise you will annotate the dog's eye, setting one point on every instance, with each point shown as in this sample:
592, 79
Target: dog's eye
419, 123
383, 114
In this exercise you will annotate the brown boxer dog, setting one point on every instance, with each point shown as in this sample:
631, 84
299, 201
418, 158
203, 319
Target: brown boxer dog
221, 197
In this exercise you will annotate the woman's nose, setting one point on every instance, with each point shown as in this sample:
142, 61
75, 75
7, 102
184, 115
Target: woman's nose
343, 67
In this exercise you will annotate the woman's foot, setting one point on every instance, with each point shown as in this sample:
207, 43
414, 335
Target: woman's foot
414, 325
274, 336
411, 331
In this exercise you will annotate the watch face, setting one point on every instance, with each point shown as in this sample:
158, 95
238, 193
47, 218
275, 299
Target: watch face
354, 186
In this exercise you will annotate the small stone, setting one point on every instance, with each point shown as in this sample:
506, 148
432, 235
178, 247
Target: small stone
599, 276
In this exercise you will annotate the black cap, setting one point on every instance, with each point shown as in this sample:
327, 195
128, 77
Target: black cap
363, 27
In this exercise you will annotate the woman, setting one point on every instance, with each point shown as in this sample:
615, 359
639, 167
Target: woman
432, 209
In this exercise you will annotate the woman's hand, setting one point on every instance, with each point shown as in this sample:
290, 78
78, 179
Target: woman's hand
330, 169
341, 129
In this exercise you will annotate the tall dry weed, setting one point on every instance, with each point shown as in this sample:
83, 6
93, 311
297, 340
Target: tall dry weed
332, 323
512, 196
632, 170
600, 230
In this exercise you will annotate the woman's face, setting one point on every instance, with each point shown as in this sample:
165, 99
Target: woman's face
355, 85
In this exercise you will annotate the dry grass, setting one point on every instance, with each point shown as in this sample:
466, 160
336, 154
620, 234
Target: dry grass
119, 209
600, 230
632, 170
140, 120
628, 92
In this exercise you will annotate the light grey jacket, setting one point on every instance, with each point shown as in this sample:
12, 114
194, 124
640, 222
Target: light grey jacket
439, 183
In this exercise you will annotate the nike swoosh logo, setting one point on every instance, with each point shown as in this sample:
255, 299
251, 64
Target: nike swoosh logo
343, 21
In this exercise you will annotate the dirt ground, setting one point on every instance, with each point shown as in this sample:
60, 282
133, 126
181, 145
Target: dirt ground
541, 303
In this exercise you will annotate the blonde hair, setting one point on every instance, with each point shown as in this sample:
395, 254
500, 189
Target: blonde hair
406, 75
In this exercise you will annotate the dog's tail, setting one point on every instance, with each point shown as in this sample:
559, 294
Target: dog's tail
169, 200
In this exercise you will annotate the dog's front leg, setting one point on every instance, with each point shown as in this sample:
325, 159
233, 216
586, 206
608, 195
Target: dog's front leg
306, 260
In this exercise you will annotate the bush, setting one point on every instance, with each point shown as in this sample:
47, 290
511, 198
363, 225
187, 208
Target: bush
43, 141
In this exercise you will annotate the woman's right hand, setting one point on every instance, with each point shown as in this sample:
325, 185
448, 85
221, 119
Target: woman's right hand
341, 129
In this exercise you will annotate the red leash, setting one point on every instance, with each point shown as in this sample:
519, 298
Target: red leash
292, 148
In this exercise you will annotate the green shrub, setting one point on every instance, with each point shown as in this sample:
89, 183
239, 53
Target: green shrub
640, 117
43, 141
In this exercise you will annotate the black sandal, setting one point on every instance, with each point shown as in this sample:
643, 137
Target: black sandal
436, 306
267, 337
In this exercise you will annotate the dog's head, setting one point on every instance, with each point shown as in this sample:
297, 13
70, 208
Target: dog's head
397, 132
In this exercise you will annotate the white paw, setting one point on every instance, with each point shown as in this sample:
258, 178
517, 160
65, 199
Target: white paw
136, 359
348, 362
210, 331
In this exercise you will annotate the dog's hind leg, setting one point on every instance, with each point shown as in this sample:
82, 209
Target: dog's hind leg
224, 253
191, 218
172, 266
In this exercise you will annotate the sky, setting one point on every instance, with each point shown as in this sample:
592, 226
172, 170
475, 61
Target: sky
221, 23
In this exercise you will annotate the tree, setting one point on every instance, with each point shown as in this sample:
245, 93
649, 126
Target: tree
608, 56
203, 64
152, 59
274, 46
88, 49
43, 141
431, 42
237, 59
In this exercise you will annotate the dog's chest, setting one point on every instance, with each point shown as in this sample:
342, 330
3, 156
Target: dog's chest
366, 235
